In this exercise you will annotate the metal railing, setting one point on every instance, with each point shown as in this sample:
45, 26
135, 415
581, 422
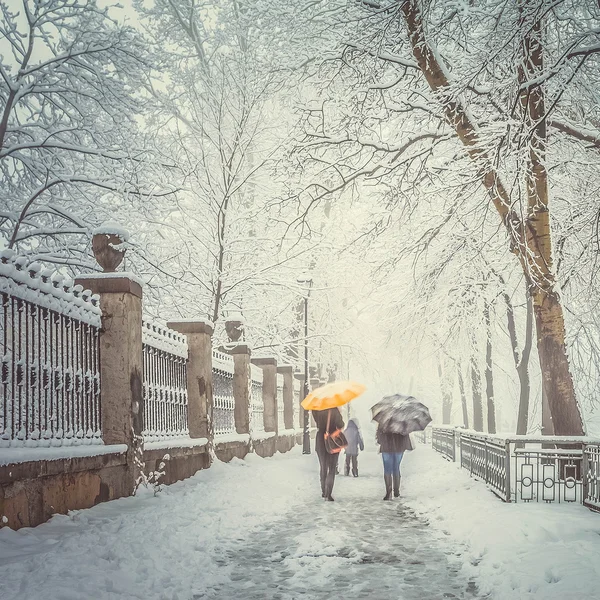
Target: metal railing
223, 399
49, 353
280, 408
591, 476
551, 469
257, 407
164, 353
442, 440
423, 437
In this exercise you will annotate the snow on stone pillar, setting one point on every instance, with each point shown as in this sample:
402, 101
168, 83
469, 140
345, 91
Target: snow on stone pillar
199, 373
300, 377
120, 357
269, 369
288, 395
241, 386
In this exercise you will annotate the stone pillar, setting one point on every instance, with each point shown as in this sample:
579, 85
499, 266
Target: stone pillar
300, 378
121, 369
199, 374
241, 386
269, 369
288, 395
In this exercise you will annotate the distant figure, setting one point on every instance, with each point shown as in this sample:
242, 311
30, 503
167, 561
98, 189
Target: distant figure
355, 442
327, 461
392, 447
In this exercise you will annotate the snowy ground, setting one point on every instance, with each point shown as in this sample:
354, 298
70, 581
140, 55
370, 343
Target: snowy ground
259, 529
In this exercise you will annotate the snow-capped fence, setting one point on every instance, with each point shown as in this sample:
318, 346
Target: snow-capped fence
527, 468
50, 380
257, 407
160, 386
223, 397
164, 353
280, 408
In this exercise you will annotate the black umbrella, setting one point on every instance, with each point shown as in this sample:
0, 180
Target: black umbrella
401, 414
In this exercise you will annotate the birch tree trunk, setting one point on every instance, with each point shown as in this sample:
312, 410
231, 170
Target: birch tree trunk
463, 396
529, 240
489, 376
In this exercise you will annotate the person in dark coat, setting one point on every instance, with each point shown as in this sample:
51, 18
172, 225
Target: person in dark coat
327, 461
392, 447
355, 442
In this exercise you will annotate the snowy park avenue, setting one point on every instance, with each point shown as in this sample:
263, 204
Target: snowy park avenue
257, 529
299, 299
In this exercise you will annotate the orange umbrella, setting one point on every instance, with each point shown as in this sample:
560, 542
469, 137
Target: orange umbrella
333, 394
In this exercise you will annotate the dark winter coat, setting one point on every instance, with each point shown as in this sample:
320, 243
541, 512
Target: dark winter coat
393, 442
335, 422
354, 437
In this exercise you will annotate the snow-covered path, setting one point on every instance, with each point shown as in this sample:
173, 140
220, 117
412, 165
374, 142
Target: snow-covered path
252, 529
357, 547
258, 529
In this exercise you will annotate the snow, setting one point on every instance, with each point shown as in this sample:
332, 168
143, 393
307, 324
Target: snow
262, 435
258, 528
287, 432
112, 228
9, 456
120, 275
47, 288
163, 338
232, 437
181, 442
525, 551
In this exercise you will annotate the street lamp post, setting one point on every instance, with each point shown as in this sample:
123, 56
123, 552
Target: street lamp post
306, 432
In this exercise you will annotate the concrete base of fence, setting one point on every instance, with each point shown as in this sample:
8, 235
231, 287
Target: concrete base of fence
265, 447
225, 451
182, 462
31, 492
286, 442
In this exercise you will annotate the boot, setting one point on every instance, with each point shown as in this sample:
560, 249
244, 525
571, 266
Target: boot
388, 487
396, 486
347, 469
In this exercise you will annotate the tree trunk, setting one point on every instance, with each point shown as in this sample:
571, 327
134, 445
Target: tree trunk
522, 366
476, 390
489, 377
529, 240
463, 396
446, 397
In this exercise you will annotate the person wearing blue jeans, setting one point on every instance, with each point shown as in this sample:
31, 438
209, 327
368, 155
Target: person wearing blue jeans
392, 447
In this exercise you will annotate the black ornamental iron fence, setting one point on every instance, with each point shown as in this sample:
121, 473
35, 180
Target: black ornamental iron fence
223, 399
257, 407
49, 353
520, 468
164, 354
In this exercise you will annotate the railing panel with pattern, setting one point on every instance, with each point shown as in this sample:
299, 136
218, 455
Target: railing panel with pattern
223, 399
257, 408
280, 411
164, 354
49, 353
549, 469
591, 476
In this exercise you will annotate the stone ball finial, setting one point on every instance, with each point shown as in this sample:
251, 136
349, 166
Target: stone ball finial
108, 245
